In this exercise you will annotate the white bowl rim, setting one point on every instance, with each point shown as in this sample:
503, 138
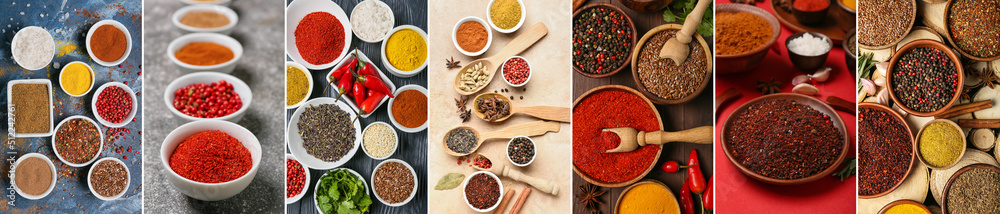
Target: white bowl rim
255, 163
489, 35
52, 185
533, 147
499, 184
316, 186
119, 26
228, 12
305, 186
392, 119
511, 30
128, 179
504, 64
392, 15
413, 192
316, 6
217, 2
395, 144
92, 79
307, 159
13, 43
100, 147
205, 37
385, 60
309, 78
168, 95
131, 113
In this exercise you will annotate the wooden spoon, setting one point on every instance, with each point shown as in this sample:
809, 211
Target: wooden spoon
553, 113
527, 129
516, 46
676, 48
502, 169
632, 139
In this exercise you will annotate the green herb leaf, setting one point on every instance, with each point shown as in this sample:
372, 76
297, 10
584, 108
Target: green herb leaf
668, 16
848, 170
449, 181
343, 192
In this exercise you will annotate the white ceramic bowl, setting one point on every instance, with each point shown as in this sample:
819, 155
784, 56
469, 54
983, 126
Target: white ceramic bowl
294, 141
10, 105
316, 188
225, 67
128, 179
392, 119
55, 176
394, 70
63, 70
240, 87
466, 183
533, 147
489, 35
225, 29
215, 2
100, 147
128, 44
305, 185
392, 19
131, 113
395, 143
309, 78
210, 191
412, 193
297, 10
511, 30
350, 101
530, 72
13, 43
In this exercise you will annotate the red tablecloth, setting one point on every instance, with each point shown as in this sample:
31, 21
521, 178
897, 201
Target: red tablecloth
738, 193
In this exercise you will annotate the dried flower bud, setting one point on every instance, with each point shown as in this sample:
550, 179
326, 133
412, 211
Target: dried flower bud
822, 75
805, 88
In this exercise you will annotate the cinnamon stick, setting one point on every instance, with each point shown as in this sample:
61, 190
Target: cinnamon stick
841, 104
955, 111
503, 203
520, 201
726, 97
979, 123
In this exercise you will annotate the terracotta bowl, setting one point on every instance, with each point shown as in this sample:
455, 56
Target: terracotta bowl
845, 9
808, 64
903, 201
913, 160
631, 25
655, 98
672, 198
803, 99
909, 26
851, 57
947, 187
738, 63
811, 17
658, 152
947, 32
928, 44
920, 156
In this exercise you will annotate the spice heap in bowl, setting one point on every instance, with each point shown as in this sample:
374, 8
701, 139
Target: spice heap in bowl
77, 141
647, 195
34, 176
883, 23
743, 34
32, 101
471, 36
973, 189
408, 110
394, 182
506, 16
210, 160
297, 179
109, 42
521, 151
661, 79
317, 33
361, 84
76, 79
810, 12
205, 19
115, 104
109, 179
342, 190
371, 20
483, 191
324, 133
603, 37
404, 52
208, 95
919, 91
205, 52
808, 50
612, 106
972, 26
33, 48
940, 144
379, 140
298, 85
516, 71
885, 151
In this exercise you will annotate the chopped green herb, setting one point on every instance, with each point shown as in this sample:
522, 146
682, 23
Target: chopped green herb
340, 191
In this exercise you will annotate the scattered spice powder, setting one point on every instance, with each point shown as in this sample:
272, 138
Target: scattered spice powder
975, 191
884, 151
924, 79
296, 85
327, 132
409, 108
31, 108
204, 54
108, 43
319, 38
471, 36
741, 32
205, 19
393, 182
505, 14
211, 156
482, 191
665, 78
611, 109
109, 178
940, 144
973, 25
296, 180
602, 40
33, 176
77, 141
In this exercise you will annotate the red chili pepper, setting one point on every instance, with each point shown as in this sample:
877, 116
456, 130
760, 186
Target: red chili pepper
707, 200
672, 167
369, 105
345, 84
372, 93
366, 68
373, 83
358, 93
694, 173
344, 69
687, 203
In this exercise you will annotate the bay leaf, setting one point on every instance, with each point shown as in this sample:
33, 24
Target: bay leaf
449, 181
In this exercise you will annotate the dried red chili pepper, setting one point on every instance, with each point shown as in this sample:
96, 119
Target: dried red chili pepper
694, 173
687, 203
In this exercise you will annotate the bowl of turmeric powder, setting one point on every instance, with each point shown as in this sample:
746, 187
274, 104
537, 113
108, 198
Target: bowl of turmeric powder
76, 79
404, 51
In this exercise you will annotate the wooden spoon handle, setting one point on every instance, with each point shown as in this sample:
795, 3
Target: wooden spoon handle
692, 21
520, 43
561, 114
699, 135
543, 185
527, 129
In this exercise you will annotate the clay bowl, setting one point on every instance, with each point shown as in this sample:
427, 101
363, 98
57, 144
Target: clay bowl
851, 56
913, 160
656, 98
901, 202
920, 156
631, 25
659, 120
808, 64
803, 99
921, 44
738, 63
947, 186
811, 17
909, 26
947, 32
672, 197
847, 10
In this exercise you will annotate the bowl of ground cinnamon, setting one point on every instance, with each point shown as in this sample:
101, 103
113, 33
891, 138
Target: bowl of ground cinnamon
743, 35
33, 176
109, 42
205, 52
205, 18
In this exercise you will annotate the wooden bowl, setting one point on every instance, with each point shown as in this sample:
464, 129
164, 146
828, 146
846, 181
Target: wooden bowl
909, 26
655, 98
916, 144
673, 199
947, 32
738, 63
803, 99
901, 202
659, 120
947, 186
913, 160
631, 25
928, 44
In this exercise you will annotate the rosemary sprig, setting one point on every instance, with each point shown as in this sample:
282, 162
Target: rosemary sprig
866, 67
852, 165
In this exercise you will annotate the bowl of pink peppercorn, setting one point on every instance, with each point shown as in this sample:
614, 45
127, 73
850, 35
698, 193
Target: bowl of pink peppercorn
516, 71
208, 96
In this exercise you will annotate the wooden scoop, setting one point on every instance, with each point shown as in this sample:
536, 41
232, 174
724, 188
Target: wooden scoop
676, 48
632, 139
553, 113
501, 169
516, 46
527, 129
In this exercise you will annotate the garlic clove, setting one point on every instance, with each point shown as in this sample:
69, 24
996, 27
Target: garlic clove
805, 88
868, 86
822, 75
883, 97
800, 79
882, 68
880, 82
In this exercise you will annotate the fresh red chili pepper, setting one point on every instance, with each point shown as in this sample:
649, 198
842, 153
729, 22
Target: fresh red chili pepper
345, 84
369, 105
373, 83
358, 93
372, 93
672, 167
707, 200
687, 203
694, 173
366, 68
344, 69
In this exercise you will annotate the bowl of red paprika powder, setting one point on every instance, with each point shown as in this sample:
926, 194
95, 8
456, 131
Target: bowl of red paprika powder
211, 191
106, 106
409, 111
317, 33
208, 52
108, 42
238, 86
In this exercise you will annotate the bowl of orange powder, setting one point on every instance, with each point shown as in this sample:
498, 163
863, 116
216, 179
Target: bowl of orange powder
205, 52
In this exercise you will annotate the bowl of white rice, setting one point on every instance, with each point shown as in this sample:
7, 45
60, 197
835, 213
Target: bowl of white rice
371, 20
33, 48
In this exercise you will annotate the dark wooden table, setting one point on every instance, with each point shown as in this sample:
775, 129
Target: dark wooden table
693, 114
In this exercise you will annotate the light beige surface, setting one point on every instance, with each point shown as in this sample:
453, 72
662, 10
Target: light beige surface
550, 85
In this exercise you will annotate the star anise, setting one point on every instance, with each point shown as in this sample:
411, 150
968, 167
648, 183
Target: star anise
989, 77
785, 5
460, 103
590, 196
965, 94
769, 87
452, 63
466, 115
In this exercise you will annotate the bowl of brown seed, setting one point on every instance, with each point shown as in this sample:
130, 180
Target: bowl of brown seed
664, 81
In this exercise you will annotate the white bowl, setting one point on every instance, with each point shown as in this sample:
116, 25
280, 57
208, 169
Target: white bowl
392, 119
215, 2
466, 183
131, 113
309, 78
128, 179
533, 147
305, 185
294, 141
530, 72
350, 101
55, 176
394, 70
392, 19
316, 188
489, 35
240, 87
128, 43
511, 30
63, 70
100, 147
10, 105
412, 193
297, 10
210, 191
225, 67
225, 29
395, 143
13, 43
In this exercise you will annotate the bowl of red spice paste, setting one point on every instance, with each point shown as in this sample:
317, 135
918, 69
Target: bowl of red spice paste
203, 190
732, 63
317, 33
612, 106
240, 87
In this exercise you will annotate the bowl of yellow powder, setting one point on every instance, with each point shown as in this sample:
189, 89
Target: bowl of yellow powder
645, 196
404, 51
76, 79
940, 144
904, 206
505, 16
298, 85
